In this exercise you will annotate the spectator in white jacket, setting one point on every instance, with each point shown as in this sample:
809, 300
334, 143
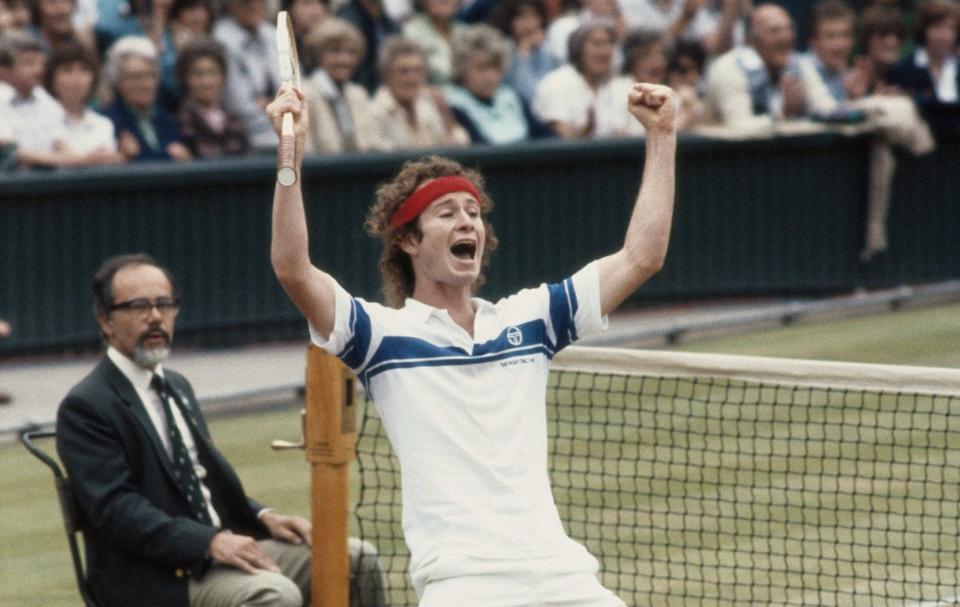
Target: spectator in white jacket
409, 114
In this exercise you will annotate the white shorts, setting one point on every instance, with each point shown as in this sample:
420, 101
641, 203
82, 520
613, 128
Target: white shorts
567, 581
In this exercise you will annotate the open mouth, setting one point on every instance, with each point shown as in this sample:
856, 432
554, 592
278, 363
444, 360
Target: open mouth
464, 250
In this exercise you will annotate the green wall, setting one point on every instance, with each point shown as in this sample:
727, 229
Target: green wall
752, 218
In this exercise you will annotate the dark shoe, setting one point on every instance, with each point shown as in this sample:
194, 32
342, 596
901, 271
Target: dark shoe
5, 398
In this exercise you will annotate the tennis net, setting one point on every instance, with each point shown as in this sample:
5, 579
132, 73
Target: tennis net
731, 480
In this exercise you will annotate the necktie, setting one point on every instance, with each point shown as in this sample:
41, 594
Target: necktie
182, 465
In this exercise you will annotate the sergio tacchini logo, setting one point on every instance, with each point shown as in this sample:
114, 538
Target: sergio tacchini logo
514, 336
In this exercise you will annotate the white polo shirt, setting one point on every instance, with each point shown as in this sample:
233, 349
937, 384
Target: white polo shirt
467, 417
92, 132
564, 96
38, 122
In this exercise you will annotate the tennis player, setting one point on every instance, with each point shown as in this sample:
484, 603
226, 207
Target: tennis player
459, 382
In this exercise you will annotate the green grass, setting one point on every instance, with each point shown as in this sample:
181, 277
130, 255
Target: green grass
35, 565
922, 336
688, 499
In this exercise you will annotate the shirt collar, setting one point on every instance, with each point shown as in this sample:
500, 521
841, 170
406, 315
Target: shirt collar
750, 58
261, 35
31, 97
823, 69
138, 376
421, 312
922, 59
324, 83
947, 86
418, 310
138, 114
7, 92
385, 98
82, 122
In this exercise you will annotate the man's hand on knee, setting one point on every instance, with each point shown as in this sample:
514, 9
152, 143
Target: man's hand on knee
240, 551
293, 529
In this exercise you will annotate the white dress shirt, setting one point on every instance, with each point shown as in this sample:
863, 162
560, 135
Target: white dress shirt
564, 96
252, 72
140, 379
92, 132
946, 86
37, 120
648, 15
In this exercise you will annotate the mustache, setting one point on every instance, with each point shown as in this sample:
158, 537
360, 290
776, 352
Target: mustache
153, 333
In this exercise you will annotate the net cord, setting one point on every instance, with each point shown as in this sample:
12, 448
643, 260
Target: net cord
782, 371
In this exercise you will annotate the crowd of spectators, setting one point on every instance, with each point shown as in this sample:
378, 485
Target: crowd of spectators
94, 82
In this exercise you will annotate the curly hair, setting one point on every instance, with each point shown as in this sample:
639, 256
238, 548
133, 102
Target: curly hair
327, 35
397, 46
480, 40
127, 46
396, 270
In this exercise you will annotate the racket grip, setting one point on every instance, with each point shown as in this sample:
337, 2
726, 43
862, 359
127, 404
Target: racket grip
287, 173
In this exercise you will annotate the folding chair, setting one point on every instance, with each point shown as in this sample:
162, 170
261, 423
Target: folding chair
68, 507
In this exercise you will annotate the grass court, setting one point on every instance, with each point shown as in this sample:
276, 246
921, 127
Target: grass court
692, 493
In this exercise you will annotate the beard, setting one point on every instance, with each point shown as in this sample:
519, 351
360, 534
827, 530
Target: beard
149, 358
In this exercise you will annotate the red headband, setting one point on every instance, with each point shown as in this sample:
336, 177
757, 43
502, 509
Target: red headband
415, 204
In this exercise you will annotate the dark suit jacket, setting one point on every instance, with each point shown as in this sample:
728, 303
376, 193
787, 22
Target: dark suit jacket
943, 118
163, 123
140, 541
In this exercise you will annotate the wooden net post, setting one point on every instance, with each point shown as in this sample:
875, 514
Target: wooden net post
330, 438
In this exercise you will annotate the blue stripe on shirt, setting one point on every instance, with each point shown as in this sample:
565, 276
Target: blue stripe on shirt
530, 332
574, 307
405, 352
355, 350
563, 309
452, 361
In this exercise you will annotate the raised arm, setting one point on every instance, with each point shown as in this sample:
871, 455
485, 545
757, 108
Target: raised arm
311, 290
720, 40
645, 246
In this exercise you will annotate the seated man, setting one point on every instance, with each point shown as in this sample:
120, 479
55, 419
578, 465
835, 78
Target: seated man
168, 522
749, 89
33, 120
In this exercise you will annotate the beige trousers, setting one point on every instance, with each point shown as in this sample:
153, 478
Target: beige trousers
225, 586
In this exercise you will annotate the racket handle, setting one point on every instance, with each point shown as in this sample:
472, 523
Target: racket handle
287, 173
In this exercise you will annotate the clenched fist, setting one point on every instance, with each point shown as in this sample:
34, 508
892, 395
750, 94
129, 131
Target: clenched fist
655, 106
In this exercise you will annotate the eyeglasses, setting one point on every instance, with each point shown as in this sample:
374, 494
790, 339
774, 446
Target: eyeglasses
167, 306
